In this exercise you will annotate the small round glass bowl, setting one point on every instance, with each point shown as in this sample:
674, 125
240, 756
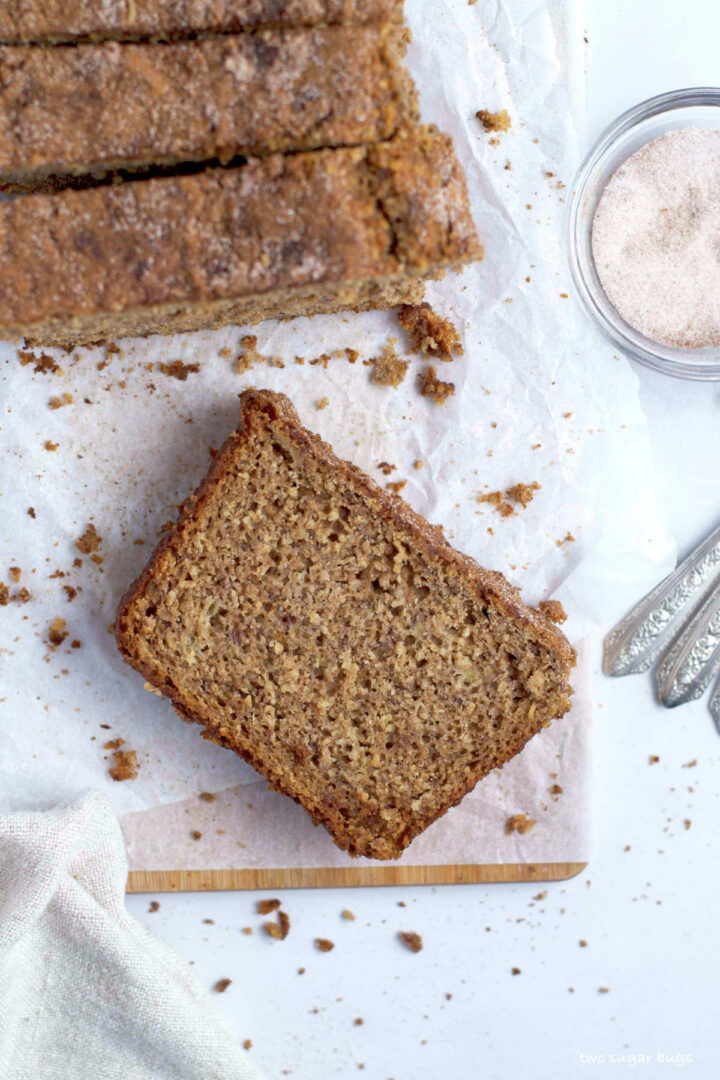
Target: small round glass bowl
699, 107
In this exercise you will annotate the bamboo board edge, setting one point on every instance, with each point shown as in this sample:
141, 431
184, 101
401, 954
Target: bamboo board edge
155, 881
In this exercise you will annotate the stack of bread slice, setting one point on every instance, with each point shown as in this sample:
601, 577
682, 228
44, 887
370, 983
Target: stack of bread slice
180, 164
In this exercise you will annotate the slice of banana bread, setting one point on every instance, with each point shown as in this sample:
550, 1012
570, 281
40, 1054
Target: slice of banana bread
51, 21
71, 111
278, 237
332, 638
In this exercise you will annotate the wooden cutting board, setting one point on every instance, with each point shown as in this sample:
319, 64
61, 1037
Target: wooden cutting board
153, 881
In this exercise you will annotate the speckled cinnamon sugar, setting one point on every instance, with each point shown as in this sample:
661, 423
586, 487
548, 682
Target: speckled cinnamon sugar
67, 20
236, 245
403, 671
98, 109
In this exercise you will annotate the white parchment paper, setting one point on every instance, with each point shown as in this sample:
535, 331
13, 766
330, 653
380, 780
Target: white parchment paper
536, 400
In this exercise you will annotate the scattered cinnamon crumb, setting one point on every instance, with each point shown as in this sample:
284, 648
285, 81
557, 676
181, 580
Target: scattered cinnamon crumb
653, 759
431, 386
386, 468
207, 796
154, 906
4, 594
494, 121
556, 790
396, 486
690, 764
320, 361
57, 632
522, 493
582, 943
70, 592
568, 539
22, 596
411, 940
278, 930
89, 541
222, 984
687, 822
553, 610
388, 369
352, 355
358, 1021
59, 402
324, 945
43, 364
196, 834
417, 465
49, 445
15, 573
264, 907
176, 369
347, 915
76, 644
429, 332
209, 922
519, 823
31, 512
323, 403
247, 930
247, 1045
126, 765
603, 989
496, 500
114, 744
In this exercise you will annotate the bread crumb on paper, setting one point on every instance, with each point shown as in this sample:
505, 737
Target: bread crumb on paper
432, 387
519, 823
389, 369
494, 121
324, 945
126, 765
429, 333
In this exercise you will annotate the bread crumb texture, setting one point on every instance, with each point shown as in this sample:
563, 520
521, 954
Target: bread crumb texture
519, 823
332, 638
125, 765
411, 940
494, 121
554, 610
432, 387
389, 369
429, 333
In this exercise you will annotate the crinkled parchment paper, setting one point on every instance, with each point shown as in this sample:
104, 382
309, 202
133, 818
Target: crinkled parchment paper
536, 400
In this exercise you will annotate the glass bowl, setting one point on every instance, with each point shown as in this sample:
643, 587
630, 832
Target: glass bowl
649, 120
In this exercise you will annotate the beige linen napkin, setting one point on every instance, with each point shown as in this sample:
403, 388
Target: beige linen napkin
85, 990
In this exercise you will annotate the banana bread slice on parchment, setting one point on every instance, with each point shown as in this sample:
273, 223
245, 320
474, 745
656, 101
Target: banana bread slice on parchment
84, 111
284, 235
51, 21
331, 637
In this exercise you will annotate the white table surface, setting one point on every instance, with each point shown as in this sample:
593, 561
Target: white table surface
649, 915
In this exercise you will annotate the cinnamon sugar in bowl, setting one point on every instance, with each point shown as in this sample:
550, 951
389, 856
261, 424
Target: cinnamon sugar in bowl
643, 233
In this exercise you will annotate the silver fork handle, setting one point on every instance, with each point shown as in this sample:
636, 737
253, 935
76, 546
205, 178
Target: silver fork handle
638, 640
694, 659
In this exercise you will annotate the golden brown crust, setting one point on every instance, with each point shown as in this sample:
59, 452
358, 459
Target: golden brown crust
95, 109
487, 586
103, 256
69, 20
